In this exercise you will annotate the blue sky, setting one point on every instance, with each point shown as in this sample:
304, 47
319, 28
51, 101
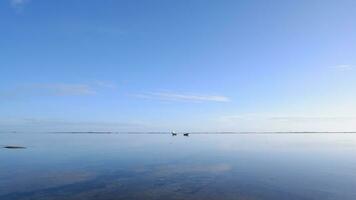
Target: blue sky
197, 65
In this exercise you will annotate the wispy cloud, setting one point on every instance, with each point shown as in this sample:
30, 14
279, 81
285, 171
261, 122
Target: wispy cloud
54, 89
312, 118
106, 84
283, 118
183, 97
279, 122
343, 67
19, 4
64, 89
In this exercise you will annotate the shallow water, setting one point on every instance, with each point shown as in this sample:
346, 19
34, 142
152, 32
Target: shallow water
159, 166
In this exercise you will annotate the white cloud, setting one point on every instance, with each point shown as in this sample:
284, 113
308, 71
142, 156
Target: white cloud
343, 67
183, 97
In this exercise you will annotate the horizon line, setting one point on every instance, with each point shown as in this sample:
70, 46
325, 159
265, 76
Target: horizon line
180, 132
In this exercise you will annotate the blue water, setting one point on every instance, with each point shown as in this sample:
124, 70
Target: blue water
159, 166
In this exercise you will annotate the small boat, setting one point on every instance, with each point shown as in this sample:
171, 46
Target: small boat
174, 133
186, 134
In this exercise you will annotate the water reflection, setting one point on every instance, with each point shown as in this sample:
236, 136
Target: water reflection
159, 166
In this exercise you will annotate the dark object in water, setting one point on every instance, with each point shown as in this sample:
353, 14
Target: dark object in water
14, 147
186, 134
174, 134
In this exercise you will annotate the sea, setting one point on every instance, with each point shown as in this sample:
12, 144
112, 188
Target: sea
201, 166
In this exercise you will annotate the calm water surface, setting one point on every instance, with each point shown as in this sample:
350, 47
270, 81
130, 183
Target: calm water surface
159, 166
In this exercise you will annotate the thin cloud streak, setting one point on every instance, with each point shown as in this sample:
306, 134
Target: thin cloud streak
311, 118
343, 67
183, 97
286, 123
65, 89
53, 89
252, 117
106, 84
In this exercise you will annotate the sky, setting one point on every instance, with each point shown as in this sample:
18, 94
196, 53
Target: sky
187, 65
